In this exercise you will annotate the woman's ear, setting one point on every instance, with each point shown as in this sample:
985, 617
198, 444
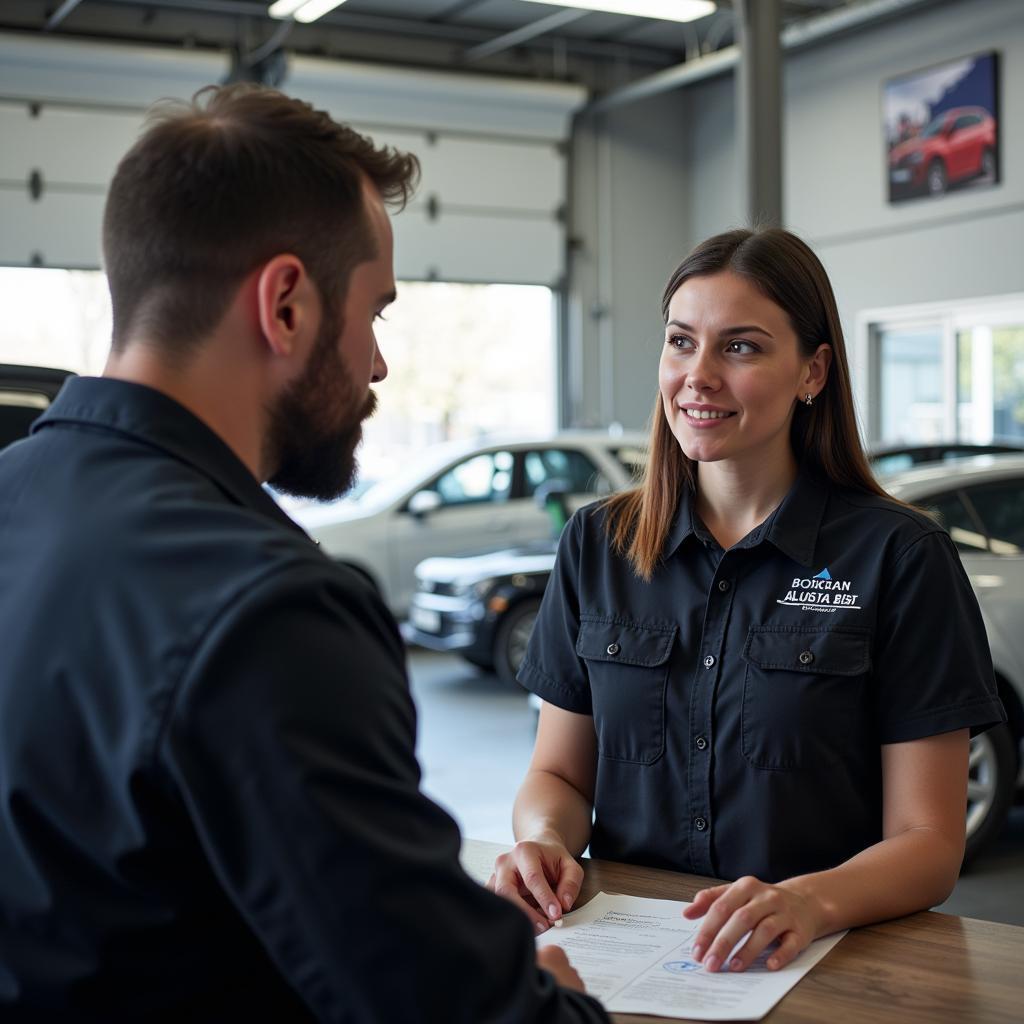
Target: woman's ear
817, 372
288, 304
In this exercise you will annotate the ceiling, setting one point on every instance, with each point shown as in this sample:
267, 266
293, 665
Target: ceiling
509, 37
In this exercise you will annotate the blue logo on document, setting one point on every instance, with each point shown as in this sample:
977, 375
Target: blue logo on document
681, 966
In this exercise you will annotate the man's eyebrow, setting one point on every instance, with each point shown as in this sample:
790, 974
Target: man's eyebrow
739, 329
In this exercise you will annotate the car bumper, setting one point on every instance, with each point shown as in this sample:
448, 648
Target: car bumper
449, 624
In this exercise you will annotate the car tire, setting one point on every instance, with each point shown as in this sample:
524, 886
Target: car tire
512, 636
936, 179
988, 164
991, 781
478, 661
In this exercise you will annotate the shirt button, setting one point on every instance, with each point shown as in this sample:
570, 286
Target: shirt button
806, 657
614, 649
701, 743
723, 585
709, 661
700, 824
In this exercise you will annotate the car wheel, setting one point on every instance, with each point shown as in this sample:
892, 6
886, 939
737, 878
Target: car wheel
936, 179
988, 164
991, 779
478, 661
512, 637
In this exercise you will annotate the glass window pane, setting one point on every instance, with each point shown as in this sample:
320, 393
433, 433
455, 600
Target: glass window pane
957, 521
1001, 508
575, 468
911, 385
990, 402
486, 477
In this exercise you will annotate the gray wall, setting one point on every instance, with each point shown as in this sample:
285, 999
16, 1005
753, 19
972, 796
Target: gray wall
962, 245
629, 213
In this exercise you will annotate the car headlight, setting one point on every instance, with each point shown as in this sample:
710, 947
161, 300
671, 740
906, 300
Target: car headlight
915, 158
471, 589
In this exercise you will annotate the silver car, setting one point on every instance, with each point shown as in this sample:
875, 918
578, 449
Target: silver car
980, 501
464, 498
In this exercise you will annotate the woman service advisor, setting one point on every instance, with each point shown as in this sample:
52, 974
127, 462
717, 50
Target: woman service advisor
757, 665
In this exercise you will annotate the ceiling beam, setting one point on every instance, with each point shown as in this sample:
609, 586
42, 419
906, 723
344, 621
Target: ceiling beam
524, 34
60, 14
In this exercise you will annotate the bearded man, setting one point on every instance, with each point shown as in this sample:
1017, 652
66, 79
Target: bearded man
209, 802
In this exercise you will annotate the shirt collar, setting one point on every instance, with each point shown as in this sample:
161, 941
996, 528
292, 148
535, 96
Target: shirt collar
793, 527
153, 418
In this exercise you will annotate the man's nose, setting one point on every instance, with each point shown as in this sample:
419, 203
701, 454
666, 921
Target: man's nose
380, 368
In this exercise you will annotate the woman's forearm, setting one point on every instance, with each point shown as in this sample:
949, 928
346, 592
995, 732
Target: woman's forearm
907, 872
548, 807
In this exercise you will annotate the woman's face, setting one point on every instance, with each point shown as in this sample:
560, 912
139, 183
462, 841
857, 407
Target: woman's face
731, 371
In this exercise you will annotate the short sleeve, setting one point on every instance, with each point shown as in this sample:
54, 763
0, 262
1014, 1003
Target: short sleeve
551, 668
932, 667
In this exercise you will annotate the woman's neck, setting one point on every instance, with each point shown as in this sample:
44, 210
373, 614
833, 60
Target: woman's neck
733, 499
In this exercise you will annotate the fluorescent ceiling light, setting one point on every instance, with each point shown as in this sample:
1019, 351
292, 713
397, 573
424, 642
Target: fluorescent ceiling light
666, 10
302, 10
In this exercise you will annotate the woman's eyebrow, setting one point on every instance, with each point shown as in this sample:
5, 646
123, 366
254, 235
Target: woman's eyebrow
740, 329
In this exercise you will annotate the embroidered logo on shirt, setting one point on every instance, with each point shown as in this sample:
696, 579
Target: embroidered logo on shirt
821, 593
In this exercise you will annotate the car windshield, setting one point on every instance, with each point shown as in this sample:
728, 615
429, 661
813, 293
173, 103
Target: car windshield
935, 127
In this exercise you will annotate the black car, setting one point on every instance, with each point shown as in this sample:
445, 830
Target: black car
483, 606
25, 392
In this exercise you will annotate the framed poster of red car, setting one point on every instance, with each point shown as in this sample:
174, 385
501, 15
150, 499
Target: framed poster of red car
942, 128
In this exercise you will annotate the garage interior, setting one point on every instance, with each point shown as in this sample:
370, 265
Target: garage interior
581, 151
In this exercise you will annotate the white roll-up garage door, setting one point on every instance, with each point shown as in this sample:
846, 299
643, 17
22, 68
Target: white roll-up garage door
492, 152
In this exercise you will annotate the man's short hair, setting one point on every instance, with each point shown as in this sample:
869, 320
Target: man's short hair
215, 187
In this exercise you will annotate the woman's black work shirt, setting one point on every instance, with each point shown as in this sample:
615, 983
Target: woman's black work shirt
740, 699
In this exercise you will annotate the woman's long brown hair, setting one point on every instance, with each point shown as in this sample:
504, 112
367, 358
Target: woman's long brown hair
824, 436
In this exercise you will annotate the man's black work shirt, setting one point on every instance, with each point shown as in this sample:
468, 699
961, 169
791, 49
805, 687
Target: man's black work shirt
209, 804
741, 697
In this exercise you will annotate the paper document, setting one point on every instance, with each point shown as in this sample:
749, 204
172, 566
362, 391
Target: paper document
634, 955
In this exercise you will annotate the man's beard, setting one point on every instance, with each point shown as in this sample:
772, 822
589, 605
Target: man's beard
314, 453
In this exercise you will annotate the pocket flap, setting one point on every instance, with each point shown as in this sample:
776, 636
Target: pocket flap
842, 651
628, 643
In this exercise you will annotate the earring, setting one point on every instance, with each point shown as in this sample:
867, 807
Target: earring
808, 399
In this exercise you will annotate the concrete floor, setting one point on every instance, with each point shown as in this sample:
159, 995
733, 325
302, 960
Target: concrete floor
475, 739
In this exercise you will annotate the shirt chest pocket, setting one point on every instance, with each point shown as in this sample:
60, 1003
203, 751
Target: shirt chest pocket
627, 663
805, 695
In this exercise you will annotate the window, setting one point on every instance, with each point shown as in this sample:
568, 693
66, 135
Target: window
956, 519
483, 478
1000, 507
946, 373
579, 474
911, 385
633, 460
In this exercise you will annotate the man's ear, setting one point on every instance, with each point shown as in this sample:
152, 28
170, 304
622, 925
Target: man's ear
288, 304
817, 371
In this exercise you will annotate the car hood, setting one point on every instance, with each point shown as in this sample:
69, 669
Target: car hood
904, 149
531, 558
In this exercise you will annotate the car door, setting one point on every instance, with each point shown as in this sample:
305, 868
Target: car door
473, 514
584, 481
998, 573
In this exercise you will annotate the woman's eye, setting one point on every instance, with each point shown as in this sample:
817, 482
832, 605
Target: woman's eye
743, 348
680, 341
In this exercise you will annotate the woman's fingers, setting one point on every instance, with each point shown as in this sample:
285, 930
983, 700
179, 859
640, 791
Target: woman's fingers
543, 879
569, 883
703, 900
767, 931
790, 946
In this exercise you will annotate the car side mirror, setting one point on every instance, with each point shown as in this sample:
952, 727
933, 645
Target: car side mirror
551, 497
422, 503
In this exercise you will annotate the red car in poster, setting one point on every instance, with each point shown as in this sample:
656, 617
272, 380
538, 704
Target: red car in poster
956, 145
